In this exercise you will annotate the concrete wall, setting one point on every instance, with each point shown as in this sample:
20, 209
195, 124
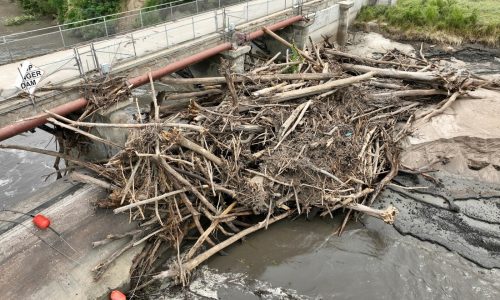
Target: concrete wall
326, 21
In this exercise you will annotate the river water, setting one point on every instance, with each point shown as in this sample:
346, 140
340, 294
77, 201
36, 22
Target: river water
304, 260
22, 173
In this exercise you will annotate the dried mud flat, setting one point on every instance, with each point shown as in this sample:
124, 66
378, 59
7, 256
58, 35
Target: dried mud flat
460, 148
470, 226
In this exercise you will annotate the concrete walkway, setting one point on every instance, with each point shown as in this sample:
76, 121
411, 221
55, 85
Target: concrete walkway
33, 270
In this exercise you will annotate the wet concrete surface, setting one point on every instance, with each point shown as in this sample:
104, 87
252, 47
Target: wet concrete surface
31, 269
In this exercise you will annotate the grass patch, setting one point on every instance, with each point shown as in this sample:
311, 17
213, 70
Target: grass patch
461, 20
18, 20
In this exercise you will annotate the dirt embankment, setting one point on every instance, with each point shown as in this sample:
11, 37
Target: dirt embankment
464, 140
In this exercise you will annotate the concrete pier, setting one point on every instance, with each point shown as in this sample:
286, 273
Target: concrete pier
237, 58
344, 8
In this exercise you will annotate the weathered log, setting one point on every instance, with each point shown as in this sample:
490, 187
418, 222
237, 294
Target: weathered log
209, 92
408, 93
391, 73
318, 89
447, 104
368, 60
387, 215
286, 43
268, 90
186, 143
174, 106
193, 263
121, 125
251, 77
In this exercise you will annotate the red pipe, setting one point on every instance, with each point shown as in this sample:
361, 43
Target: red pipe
179, 65
25, 125
274, 27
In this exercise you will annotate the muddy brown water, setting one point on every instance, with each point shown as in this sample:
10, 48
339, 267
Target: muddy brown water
304, 260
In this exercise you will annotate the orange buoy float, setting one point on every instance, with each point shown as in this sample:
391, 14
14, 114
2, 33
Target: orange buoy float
117, 295
41, 221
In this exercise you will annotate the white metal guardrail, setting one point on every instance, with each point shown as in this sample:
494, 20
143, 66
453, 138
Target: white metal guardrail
140, 43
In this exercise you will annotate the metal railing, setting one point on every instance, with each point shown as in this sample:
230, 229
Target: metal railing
160, 37
17, 46
104, 55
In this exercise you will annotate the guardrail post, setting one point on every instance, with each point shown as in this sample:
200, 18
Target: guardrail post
224, 24
133, 43
78, 62
105, 26
62, 36
197, 9
94, 57
216, 21
219, 3
166, 33
192, 23
171, 11
142, 22
247, 10
8, 48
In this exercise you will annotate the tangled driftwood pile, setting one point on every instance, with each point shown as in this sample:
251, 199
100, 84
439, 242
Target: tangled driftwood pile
316, 134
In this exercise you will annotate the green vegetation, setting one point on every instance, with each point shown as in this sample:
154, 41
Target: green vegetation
294, 57
71, 10
149, 3
443, 20
18, 20
487, 10
87, 9
55, 8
